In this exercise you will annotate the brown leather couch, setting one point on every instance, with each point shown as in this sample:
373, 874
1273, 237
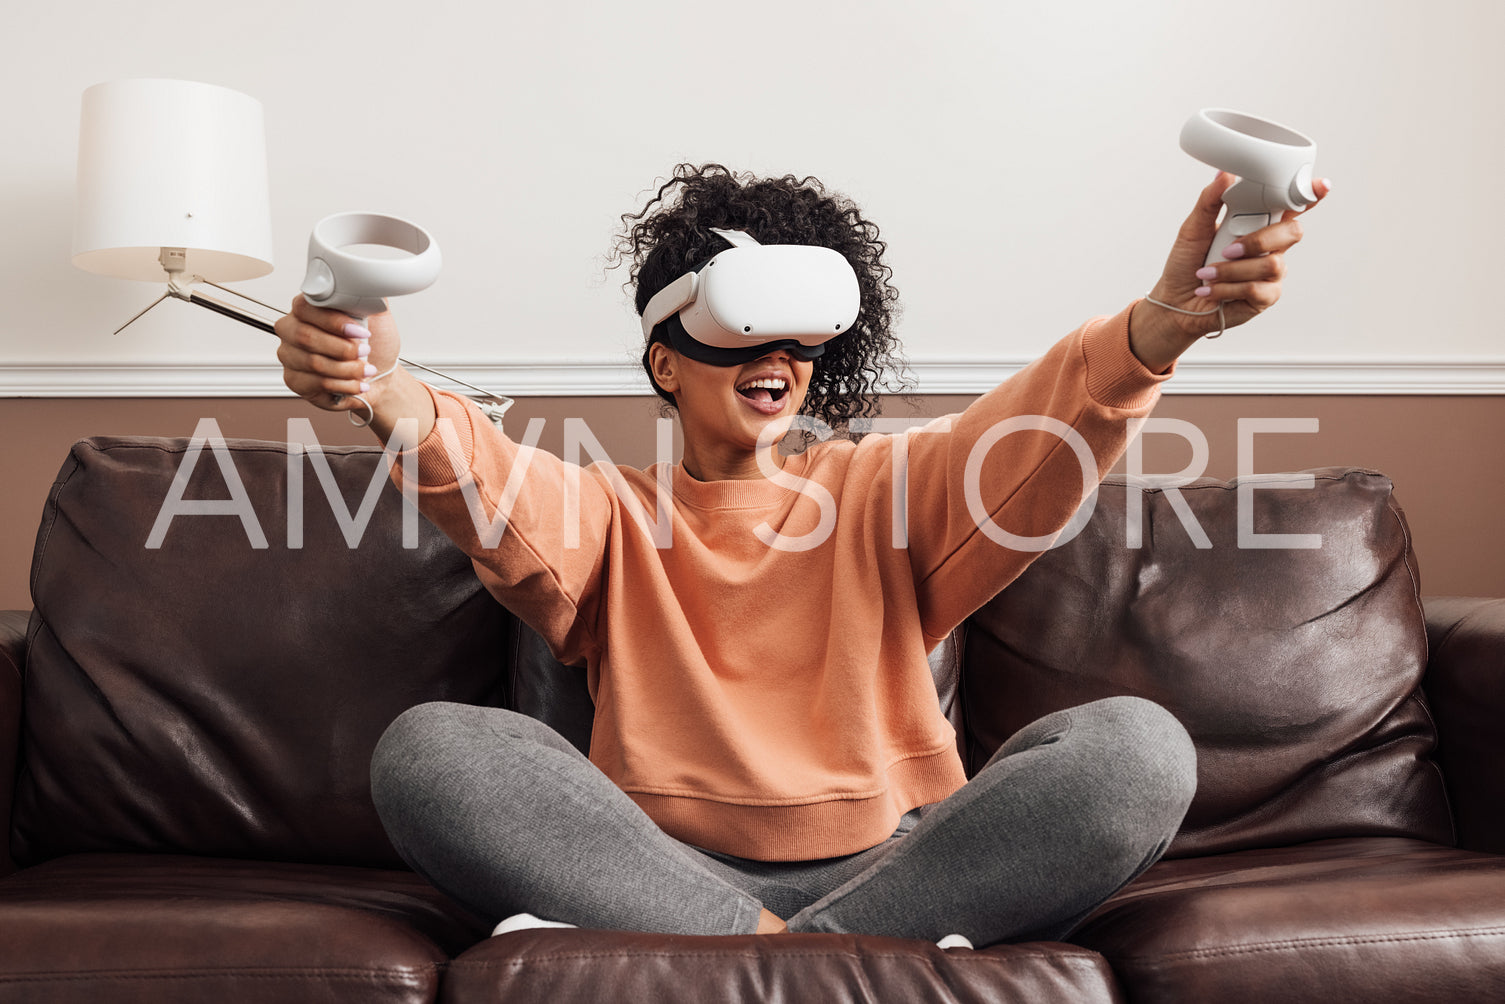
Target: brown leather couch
184, 734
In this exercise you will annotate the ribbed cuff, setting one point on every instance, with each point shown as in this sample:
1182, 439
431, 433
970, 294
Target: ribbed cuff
1115, 376
449, 448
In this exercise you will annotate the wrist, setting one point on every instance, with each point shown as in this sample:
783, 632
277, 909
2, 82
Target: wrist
397, 397
1156, 337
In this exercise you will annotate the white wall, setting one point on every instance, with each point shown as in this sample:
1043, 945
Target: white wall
1020, 157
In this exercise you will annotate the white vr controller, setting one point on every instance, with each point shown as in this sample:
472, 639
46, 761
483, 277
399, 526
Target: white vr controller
1274, 165
340, 278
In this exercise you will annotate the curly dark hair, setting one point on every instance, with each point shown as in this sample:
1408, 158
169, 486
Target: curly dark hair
671, 235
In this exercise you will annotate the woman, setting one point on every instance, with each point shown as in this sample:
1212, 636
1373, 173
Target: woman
767, 751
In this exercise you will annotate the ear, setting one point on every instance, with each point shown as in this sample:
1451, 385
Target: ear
663, 363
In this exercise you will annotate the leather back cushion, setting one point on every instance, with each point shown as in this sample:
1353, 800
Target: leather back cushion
212, 697
1296, 670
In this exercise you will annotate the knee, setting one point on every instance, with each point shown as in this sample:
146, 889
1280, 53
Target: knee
402, 749
430, 750
418, 750
1151, 760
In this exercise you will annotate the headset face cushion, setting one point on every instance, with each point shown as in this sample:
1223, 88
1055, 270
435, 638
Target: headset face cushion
676, 336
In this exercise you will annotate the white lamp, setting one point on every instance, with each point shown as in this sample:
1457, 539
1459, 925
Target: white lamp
172, 184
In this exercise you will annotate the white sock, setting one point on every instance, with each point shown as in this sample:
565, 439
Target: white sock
525, 921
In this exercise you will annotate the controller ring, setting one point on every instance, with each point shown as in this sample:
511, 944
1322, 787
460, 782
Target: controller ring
1256, 149
339, 278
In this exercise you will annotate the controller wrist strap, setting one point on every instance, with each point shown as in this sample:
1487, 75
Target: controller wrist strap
1222, 320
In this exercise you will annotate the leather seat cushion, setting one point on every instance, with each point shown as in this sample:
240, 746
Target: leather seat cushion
161, 928
1334, 921
561, 966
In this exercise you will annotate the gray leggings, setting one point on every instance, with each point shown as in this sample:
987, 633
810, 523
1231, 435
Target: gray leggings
502, 813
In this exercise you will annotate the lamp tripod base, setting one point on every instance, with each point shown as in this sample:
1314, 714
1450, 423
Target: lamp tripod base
173, 260
493, 405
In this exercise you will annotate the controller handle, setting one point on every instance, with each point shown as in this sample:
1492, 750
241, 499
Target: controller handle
339, 278
1274, 164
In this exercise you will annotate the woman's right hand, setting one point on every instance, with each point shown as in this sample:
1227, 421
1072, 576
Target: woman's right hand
328, 357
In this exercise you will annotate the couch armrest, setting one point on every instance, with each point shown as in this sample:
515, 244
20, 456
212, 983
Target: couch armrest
1465, 685
12, 661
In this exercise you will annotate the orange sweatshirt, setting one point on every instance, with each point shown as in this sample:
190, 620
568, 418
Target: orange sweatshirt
774, 701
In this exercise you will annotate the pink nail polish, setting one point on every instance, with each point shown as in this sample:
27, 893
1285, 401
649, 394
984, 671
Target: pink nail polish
365, 387
1203, 291
1234, 250
370, 370
353, 330
363, 350
1207, 272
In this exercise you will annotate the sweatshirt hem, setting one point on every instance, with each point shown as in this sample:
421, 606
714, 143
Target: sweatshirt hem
830, 828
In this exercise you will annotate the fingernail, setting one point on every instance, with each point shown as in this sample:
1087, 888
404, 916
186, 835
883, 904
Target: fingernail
353, 330
1329, 183
1203, 291
1234, 250
1207, 272
363, 350
370, 370
365, 387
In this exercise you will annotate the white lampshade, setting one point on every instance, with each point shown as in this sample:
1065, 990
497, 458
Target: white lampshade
172, 164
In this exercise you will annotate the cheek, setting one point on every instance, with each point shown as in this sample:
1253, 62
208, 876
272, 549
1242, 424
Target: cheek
703, 393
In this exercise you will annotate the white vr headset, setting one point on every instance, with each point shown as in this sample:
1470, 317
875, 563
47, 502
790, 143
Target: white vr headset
752, 299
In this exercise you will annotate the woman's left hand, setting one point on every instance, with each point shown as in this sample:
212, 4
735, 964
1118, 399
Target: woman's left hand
1246, 283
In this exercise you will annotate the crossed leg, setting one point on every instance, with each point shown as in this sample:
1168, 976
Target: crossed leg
505, 815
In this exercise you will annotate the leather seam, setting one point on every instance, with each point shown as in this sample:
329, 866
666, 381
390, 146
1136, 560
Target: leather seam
1124, 481
1418, 693
1307, 943
1082, 955
364, 975
54, 503
1253, 882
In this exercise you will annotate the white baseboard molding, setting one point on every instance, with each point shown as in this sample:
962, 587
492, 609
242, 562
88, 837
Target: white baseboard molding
571, 378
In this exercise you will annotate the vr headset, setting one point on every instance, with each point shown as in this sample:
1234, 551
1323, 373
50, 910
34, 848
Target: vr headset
753, 299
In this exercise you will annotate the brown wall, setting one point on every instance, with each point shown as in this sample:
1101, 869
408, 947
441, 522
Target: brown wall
1445, 454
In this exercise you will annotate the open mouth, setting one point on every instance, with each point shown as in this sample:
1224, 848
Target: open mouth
768, 390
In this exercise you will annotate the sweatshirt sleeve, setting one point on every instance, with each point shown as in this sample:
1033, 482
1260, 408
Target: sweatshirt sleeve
992, 487
534, 526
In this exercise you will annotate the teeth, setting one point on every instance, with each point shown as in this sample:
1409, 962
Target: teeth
769, 383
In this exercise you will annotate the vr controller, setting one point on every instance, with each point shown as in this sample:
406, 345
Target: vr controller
355, 283
358, 284
1274, 165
